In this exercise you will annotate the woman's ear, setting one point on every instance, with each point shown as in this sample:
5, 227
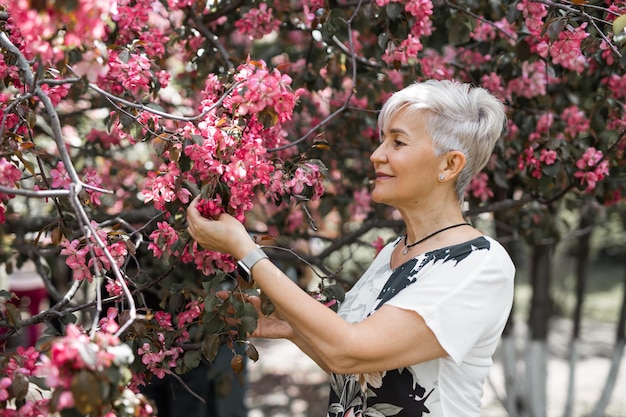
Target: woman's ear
452, 164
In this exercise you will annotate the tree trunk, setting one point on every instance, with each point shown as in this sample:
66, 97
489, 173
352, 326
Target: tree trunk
538, 326
618, 353
587, 221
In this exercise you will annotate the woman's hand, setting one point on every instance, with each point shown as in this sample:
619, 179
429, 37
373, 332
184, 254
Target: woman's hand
224, 234
272, 326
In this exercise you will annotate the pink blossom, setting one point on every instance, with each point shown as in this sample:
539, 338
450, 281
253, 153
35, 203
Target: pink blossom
76, 259
9, 173
103, 138
575, 121
484, 32
92, 178
164, 320
566, 50
617, 84
163, 237
533, 13
479, 187
257, 22
164, 186
108, 323
310, 7
493, 82
192, 311
532, 82
56, 93
295, 220
592, 168
66, 400
60, 177
378, 245
528, 161
548, 156
408, 49
361, 205
113, 288
607, 53
435, 65
4, 384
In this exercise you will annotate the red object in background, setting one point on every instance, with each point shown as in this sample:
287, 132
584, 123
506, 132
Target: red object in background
31, 292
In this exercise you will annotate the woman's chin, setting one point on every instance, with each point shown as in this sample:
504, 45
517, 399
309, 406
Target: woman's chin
378, 197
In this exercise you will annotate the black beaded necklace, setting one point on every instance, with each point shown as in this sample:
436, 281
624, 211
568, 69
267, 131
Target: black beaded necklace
407, 247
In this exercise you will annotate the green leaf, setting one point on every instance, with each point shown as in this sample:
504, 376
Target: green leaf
383, 38
247, 326
14, 316
458, 31
136, 131
552, 170
335, 292
252, 353
555, 28
394, 10
192, 358
212, 284
619, 24
268, 117
210, 347
67, 412
155, 106
500, 179
267, 307
212, 323
19, 386
210, 302
250, 311
85, 388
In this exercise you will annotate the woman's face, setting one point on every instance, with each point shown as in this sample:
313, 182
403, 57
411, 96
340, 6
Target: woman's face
405, 162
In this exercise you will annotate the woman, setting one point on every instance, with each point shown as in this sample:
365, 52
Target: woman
416, 334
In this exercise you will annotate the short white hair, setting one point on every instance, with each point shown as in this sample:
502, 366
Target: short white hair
459, 118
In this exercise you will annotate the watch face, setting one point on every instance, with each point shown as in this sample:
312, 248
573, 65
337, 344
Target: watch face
242, 272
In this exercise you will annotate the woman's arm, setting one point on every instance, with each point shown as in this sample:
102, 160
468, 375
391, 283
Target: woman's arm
388, 339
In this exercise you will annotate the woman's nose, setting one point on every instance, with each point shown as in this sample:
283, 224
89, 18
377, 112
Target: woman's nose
378, 154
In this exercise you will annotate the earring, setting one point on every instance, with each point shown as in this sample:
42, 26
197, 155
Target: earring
441, 177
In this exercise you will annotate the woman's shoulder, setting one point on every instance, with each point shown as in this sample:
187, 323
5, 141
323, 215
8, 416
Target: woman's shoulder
481, 250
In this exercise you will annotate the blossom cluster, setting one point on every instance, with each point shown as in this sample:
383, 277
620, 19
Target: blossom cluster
9, 175
73, 368
83, 258
257, 22
50, 33
228, 153
61, 179
479, 187
592, 168
160, 357
132, 73
408, 48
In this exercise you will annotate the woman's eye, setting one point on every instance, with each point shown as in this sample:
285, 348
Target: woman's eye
398, 143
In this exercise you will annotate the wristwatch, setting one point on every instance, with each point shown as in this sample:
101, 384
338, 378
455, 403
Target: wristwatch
245, 265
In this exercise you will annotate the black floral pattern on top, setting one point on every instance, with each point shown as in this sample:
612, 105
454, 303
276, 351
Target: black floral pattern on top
406, 274
400, 394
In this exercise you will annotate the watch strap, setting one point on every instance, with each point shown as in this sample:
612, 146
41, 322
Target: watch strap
248, 261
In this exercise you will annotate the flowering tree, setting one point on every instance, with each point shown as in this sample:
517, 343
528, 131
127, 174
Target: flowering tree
115, 114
